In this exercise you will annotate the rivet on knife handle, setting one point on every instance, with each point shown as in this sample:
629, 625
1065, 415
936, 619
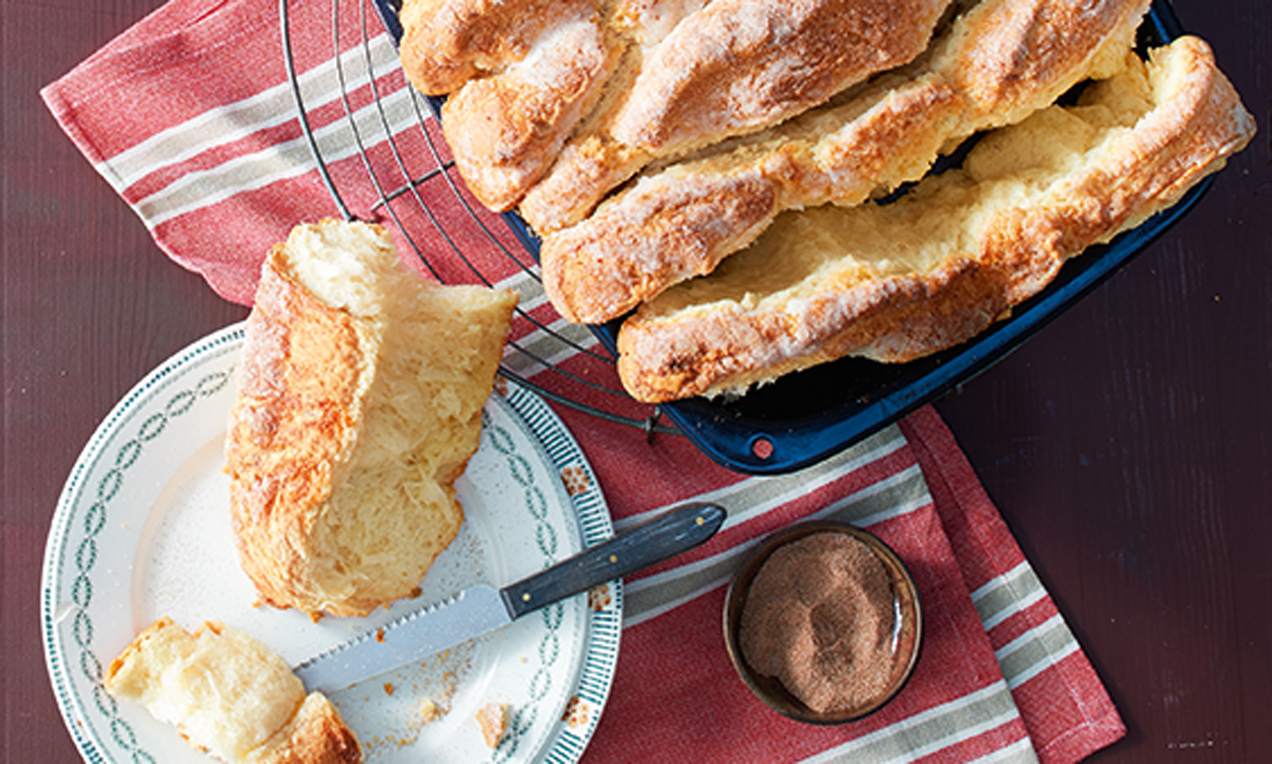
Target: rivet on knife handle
667, 535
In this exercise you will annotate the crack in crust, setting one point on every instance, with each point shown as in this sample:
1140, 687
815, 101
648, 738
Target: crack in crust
995, 65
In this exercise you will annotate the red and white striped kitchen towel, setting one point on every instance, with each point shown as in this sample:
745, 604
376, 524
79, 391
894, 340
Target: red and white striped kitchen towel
193, 119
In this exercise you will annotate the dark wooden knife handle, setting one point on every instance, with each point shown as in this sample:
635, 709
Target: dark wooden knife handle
667, 535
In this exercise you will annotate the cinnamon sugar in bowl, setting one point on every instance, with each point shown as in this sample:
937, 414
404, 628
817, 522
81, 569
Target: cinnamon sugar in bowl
823, 622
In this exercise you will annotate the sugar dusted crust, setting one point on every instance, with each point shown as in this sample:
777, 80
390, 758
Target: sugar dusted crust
521, 74
996, 64
506, 129
739, 65
730, 68
604, 267
761, 131
446, 43
302, 380
611, 86
893, 282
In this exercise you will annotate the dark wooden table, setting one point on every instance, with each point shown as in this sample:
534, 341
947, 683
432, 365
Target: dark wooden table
1128, 445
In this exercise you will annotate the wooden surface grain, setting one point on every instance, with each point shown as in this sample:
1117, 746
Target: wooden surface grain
1127, 444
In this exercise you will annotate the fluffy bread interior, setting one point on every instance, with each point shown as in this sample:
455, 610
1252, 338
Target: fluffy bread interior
896, 281
348, 512
229, 695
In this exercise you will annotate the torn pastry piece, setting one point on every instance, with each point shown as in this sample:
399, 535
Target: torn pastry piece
730, 68
897, 281
997, 63
359, 405
520, 74
736, 66
230, 696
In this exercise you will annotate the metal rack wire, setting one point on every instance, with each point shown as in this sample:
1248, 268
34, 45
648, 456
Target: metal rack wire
409, 182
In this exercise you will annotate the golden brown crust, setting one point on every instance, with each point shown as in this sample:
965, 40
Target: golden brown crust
506, 129
359, 405
895, 141
317, 735
586, 169
520, 75
301, 381
587, 285
730, 348
672, 348
682, 222
981, 76
741, 65
1022, 50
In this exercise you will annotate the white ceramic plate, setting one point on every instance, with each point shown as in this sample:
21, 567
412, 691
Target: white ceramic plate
142, 530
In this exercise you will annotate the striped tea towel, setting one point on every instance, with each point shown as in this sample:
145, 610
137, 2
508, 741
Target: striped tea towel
193, 117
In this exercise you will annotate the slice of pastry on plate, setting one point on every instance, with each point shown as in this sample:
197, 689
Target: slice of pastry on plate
359, 405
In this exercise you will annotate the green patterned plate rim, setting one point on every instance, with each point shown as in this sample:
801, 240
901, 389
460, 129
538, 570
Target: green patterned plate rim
141, 530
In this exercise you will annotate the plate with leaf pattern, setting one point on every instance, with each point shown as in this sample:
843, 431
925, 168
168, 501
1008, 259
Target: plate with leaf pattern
142, 530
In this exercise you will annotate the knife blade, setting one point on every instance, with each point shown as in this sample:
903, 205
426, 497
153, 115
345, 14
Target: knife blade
482, 608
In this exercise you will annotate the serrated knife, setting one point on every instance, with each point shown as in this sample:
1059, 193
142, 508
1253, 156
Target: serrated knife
481, 608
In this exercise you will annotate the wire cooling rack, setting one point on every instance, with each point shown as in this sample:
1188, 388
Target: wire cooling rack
406, 179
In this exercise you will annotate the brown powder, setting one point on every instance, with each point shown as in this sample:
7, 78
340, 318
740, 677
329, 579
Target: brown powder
819, 618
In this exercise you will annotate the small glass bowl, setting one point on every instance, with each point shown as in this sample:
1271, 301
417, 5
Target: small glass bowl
906, 635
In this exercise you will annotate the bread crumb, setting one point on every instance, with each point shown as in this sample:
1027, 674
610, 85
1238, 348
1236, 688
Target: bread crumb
434, 708
493, 720
228, 695
430, 711
575, 715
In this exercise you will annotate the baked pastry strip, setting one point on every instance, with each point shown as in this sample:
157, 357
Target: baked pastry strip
897, 281
506, 129
731, 68
446, 43
999, 62
359, 404
521, 74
